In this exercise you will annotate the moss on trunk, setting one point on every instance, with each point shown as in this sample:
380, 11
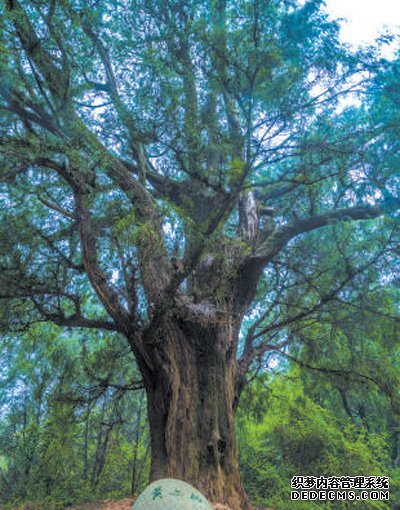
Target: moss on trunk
192, 395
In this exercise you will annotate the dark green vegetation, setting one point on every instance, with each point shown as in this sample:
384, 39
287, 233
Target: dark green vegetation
188, 205
75, 429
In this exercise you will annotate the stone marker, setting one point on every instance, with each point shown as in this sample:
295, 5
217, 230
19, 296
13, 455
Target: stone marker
171, 494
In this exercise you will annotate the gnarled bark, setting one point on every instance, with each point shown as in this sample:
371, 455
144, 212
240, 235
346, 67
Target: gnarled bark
192, 393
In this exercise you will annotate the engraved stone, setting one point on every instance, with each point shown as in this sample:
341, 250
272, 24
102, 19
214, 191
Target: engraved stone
171, 494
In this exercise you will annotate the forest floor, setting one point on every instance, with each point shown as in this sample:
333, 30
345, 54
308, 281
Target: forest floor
126, 504
120, 504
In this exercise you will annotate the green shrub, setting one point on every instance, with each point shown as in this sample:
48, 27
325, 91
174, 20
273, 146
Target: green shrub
296, 436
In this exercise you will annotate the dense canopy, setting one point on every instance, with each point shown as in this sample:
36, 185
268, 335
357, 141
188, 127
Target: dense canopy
216, 182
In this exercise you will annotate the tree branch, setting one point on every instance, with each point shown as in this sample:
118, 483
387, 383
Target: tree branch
97, 277
76, 320
57, 208
83, 322
279, 239
251, 351
56, 79
259, 350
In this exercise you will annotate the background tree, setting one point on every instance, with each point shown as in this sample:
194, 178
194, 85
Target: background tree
165, 165
72, 423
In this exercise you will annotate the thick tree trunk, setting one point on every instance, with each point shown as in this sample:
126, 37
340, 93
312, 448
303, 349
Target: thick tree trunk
192, 395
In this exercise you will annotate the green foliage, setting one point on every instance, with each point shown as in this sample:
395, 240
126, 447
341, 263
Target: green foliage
70, 435
133, 135
237, 172
297, 436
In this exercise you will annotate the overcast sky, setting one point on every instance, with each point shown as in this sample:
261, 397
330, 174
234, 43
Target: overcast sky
366, 18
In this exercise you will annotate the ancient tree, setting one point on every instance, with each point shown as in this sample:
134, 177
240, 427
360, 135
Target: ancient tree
160, 162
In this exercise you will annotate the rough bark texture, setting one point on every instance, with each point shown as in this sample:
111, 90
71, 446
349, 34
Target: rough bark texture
184, 330
192, 396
